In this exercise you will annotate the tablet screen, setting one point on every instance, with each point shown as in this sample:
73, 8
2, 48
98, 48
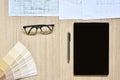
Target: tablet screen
91, 48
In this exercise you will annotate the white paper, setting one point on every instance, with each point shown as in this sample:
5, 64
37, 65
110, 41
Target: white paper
33, 7
89, 9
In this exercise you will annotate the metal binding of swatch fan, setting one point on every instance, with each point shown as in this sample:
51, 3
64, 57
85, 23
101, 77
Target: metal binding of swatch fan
17, 64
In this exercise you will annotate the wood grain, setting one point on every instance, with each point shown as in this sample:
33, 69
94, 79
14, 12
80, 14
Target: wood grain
50, 51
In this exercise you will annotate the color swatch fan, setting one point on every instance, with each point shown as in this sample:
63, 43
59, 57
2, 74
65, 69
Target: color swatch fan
17, 64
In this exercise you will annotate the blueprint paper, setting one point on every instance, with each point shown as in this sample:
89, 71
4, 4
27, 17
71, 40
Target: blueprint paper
33, 7
89, 9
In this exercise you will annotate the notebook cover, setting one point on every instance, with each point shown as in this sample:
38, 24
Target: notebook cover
91, 48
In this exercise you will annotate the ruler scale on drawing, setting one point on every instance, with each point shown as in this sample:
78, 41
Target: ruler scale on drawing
17, 64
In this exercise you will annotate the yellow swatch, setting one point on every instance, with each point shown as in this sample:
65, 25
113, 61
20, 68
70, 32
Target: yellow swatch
3, 65
9, 60
1, 73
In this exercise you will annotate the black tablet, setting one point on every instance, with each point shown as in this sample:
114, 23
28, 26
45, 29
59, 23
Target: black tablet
91, 48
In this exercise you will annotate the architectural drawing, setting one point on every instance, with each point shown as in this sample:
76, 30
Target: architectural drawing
33, 7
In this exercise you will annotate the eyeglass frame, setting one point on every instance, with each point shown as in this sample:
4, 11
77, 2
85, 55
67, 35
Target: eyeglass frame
38, 27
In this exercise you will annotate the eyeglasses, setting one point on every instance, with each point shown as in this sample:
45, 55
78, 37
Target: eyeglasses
44, 29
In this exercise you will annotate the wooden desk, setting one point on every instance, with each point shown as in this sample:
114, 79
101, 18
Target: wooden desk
50, 51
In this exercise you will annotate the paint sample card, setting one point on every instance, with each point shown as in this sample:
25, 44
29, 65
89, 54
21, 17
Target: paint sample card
17, 64
91, 49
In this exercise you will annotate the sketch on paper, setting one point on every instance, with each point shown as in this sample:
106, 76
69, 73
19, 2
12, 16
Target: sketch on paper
33, 7
89, 9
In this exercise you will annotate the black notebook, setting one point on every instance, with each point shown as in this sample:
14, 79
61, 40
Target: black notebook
91, 48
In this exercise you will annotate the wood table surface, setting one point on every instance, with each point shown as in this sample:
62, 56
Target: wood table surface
50, 51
